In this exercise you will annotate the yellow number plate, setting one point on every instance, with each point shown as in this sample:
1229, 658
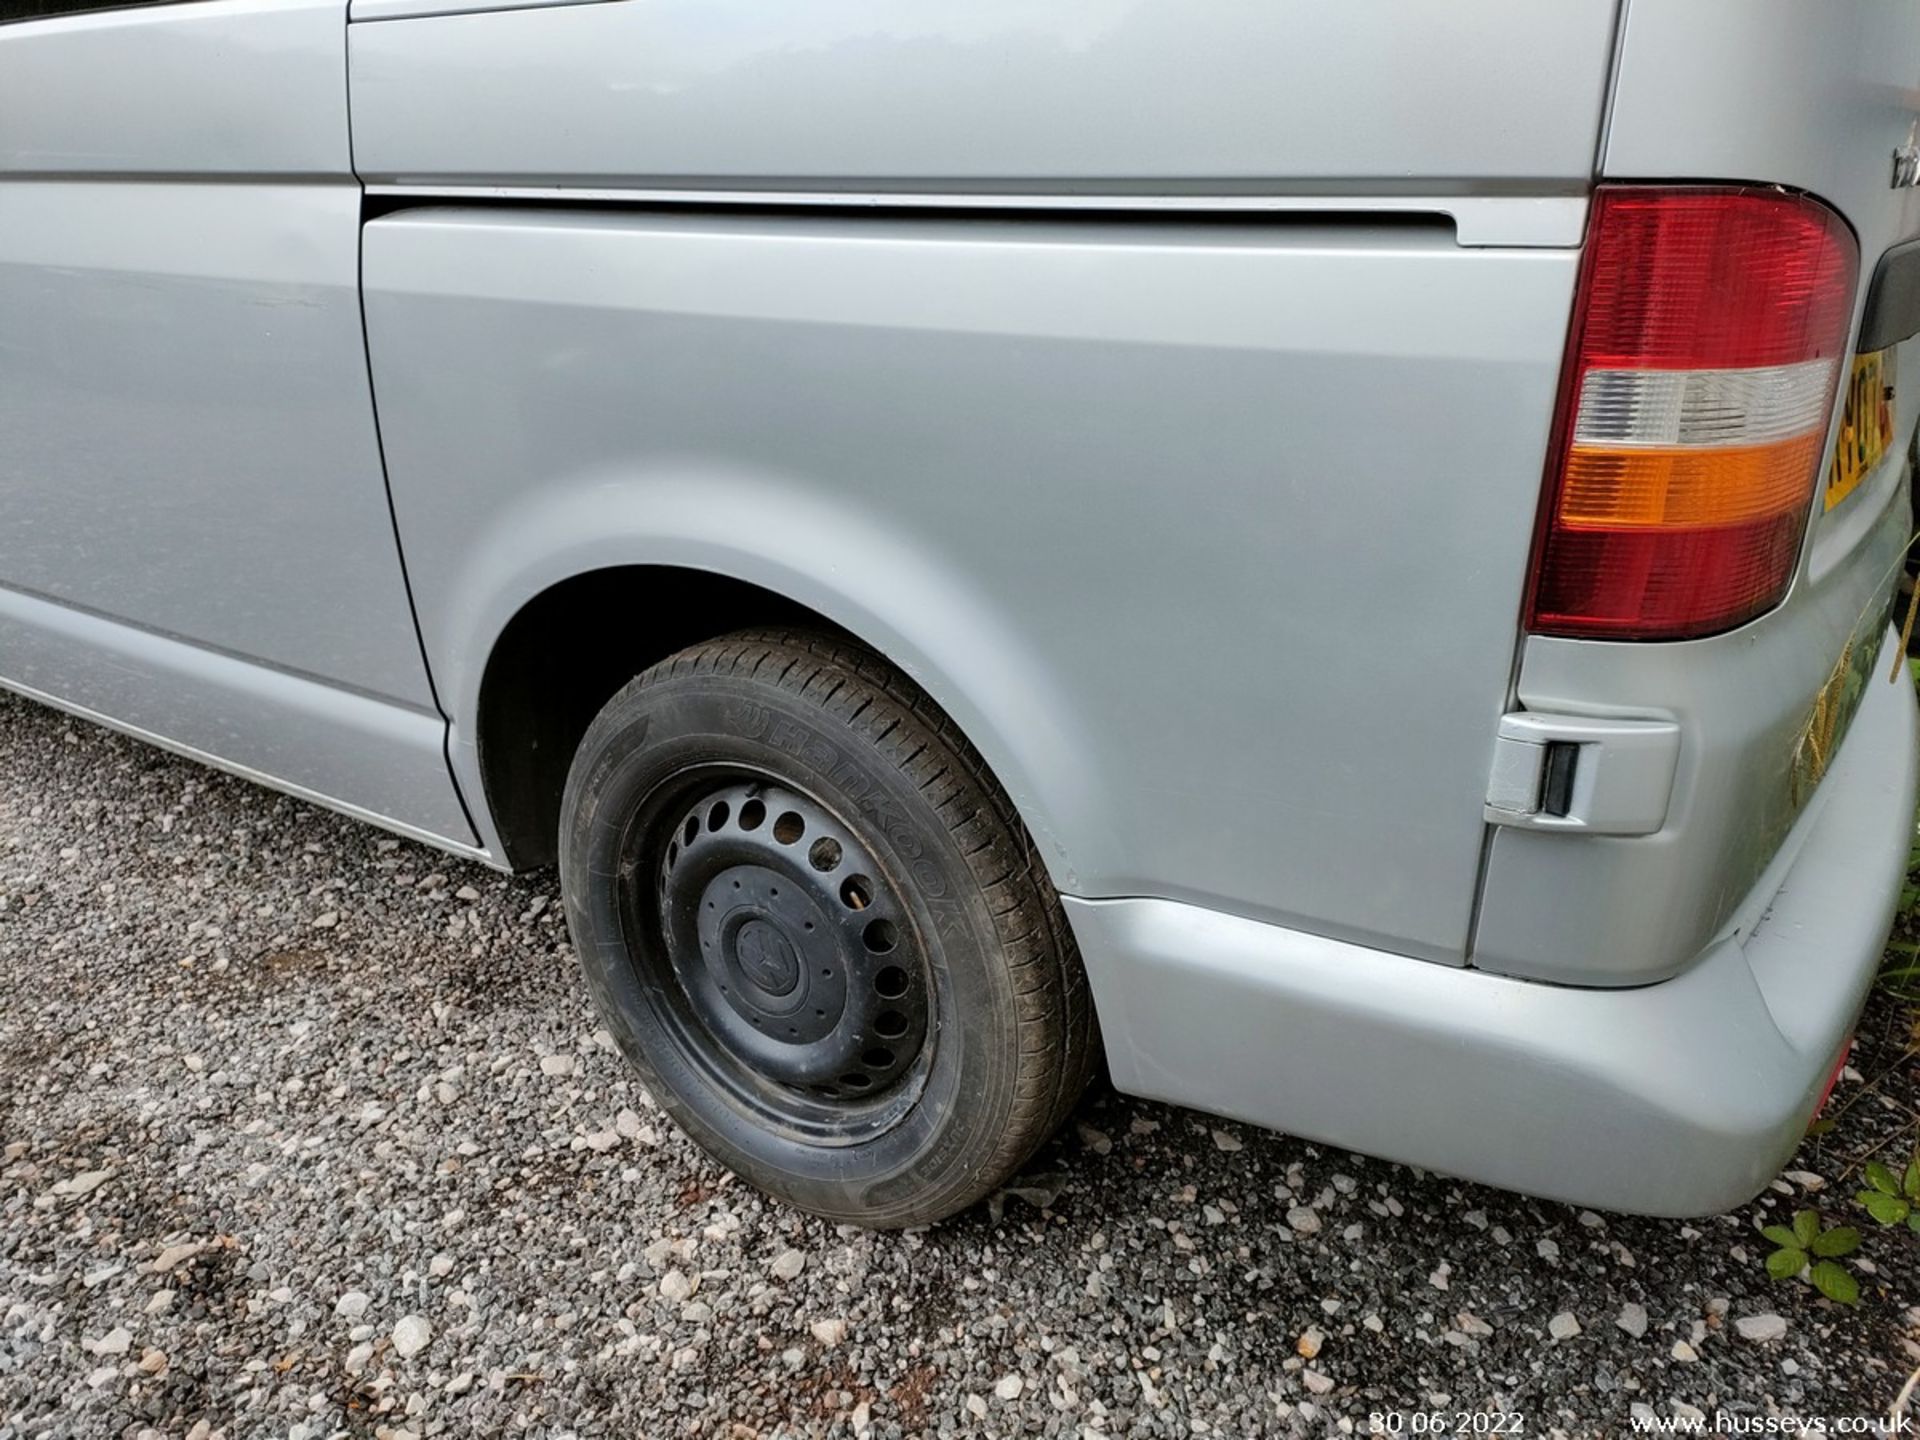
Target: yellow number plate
1866, 425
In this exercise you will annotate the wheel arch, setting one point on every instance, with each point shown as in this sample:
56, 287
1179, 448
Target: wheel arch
552, 670
563, 605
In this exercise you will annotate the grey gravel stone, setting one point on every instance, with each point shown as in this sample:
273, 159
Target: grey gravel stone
85, 1183
115, 1342
352, 1305
1761, 1327
411, 1335
174, 1255
788, 1264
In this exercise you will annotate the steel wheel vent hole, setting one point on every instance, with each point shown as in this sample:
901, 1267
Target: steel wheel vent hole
889, 1024
789, 827
880, 936
692, 832
856, 892
855, 1082
752, 815
717, 816
879, 1057
825, 854
890, 983
673, 854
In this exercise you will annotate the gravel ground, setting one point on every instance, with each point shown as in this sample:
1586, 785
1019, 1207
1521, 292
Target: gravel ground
311, 1132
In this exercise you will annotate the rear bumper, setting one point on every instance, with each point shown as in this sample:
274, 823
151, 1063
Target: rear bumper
1679, 1098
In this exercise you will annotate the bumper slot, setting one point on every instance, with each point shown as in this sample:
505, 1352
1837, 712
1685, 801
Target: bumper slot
1582, 773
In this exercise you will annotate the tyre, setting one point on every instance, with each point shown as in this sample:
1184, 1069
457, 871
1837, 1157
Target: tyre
816, 927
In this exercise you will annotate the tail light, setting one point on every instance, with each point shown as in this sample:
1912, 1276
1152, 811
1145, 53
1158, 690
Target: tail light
1705, 353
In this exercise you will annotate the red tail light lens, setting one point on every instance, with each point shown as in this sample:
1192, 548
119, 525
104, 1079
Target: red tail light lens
1707, 340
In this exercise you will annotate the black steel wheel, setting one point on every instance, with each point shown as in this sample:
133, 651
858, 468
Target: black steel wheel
796, 964
815, 925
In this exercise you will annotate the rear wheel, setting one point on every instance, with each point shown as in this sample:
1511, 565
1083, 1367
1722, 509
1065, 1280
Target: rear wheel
816, 927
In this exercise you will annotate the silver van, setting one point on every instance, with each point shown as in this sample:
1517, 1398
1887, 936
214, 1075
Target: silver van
1339, 558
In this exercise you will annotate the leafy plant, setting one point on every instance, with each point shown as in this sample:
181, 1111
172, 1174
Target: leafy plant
1901, 973
1816, 1252
1893, 1201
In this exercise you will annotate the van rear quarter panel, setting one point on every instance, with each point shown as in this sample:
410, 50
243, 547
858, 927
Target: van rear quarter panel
1210, 535
1210, 532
